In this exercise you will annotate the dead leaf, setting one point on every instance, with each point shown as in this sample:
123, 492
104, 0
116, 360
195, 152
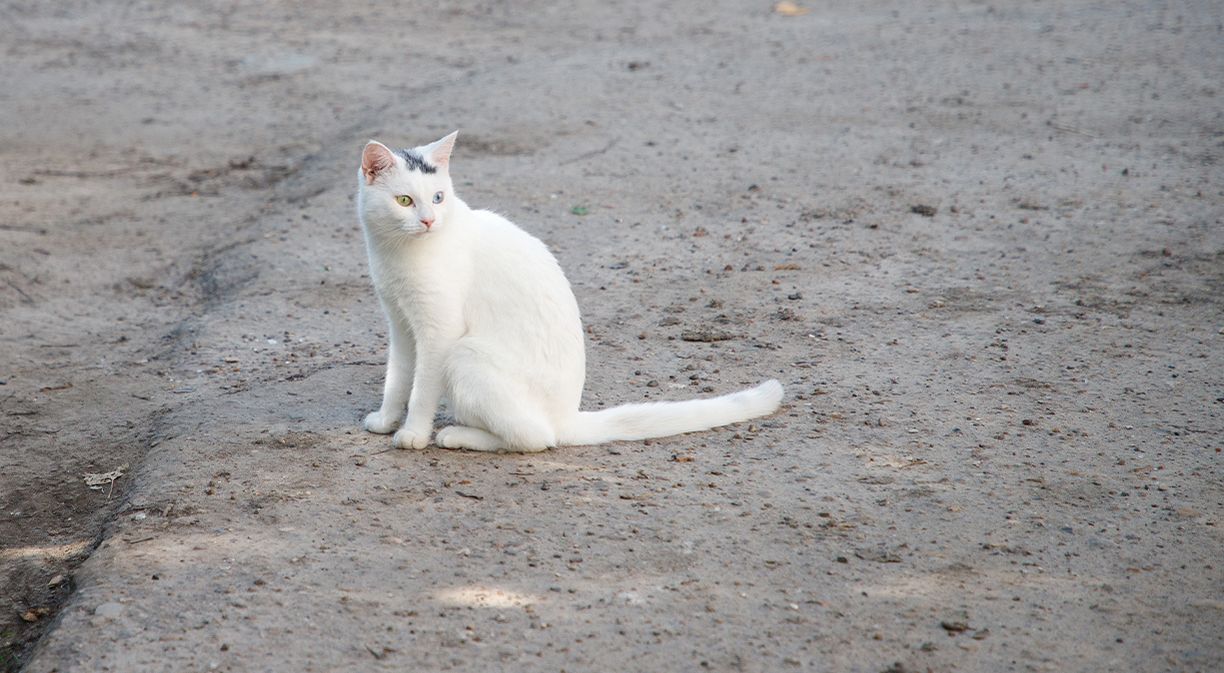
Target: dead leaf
96, 481
788, 8
789, 266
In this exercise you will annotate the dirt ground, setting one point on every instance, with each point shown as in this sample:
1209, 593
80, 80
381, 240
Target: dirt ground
980, 243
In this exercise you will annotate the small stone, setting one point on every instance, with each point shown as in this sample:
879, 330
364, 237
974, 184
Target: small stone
879, 554
108, 610
706, 335
956, 623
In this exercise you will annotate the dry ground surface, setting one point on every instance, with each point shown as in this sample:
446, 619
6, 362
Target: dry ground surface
980, 242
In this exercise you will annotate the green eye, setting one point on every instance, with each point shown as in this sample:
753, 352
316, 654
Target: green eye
404, 200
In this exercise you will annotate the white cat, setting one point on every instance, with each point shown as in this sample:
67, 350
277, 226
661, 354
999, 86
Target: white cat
479, 312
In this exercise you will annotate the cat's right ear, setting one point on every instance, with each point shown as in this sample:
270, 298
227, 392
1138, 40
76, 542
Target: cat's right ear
375, 159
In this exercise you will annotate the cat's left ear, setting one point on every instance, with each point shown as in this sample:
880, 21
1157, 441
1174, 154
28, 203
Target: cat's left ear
438, 152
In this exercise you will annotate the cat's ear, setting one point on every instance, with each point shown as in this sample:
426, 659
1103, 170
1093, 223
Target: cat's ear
375, 159
438, 152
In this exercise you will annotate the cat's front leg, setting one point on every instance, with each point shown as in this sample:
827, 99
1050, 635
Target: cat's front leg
427, 384
396, 389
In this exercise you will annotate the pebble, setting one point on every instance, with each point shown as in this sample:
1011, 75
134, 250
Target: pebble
108, 610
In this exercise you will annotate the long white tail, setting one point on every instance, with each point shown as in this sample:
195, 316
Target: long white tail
660, 419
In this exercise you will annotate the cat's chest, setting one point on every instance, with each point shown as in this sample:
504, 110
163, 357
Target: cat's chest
415, 286
391, 280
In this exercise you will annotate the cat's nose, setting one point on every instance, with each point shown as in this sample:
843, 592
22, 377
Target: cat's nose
427, 222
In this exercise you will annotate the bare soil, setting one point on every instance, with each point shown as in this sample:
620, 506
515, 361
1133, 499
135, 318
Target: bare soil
979, 243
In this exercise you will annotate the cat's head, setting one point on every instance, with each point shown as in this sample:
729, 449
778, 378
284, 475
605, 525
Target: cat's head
407, 192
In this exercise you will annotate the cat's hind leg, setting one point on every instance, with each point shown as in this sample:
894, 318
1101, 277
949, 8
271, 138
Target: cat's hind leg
475, 439
495, 410
465, 437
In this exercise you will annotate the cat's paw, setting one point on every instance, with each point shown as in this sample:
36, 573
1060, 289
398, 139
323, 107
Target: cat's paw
446, 439
407, 439
377, 423
473, 439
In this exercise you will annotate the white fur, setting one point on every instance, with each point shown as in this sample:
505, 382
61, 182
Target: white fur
479, 312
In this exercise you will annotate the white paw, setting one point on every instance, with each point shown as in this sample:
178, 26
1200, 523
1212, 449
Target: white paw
375, 422
448, 438
407, 439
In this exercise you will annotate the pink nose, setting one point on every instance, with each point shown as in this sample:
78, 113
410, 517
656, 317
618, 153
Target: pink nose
427, 223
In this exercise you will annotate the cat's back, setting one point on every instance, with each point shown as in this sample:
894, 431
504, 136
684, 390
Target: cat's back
516, 274
504, 247
497, 233
521, 313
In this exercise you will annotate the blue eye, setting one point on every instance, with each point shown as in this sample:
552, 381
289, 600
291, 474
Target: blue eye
438, 197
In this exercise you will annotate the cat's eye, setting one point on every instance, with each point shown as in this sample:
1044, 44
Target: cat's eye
438, 197
404, 200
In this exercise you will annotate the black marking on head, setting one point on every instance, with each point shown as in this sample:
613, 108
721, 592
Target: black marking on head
417, 162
